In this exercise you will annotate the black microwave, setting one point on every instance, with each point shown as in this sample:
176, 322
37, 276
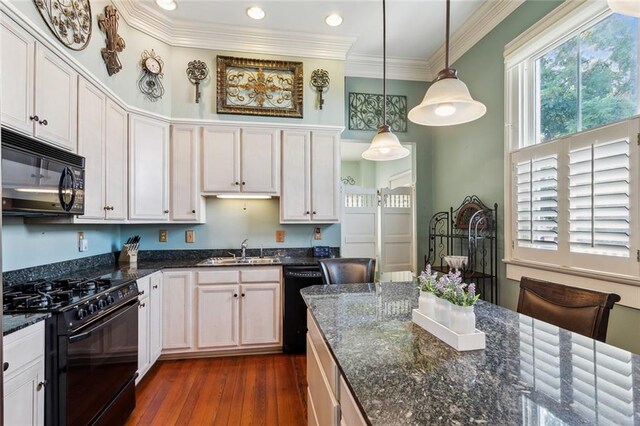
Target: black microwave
39, 179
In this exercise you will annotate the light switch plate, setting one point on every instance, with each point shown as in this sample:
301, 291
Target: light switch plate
164, 236
190, 236
279, 236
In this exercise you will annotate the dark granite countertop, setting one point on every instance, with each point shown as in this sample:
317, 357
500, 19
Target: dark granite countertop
12, 323
530, 372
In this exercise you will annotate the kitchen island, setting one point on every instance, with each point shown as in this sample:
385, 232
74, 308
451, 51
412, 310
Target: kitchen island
530, 372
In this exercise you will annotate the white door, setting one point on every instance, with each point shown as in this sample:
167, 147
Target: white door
359, 222
24, 397
155, 317
220, 159
143, 336
17, 70
260, 161
116, 164
185, 193
325, 175
91, 137
396, 229
296, 186
260, 314
177, 301
218, 316
56, 99
148, 169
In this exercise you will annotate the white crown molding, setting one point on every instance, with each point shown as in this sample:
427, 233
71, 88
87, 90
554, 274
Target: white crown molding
232, 38
483, 20
397, 69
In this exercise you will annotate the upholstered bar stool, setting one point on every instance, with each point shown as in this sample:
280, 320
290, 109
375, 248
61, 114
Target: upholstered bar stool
579, 310
347, 270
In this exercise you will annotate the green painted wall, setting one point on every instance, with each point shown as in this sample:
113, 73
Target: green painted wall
468, 159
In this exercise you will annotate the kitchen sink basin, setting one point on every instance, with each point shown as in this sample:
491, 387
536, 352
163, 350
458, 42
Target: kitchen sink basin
221, 261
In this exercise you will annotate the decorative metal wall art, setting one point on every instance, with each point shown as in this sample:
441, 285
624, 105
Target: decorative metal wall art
108, 23
259, 87
197, 71
68, 20
149, 82
348, 180
320, 81
365, 112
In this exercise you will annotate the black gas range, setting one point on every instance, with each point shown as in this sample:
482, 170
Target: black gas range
91, 346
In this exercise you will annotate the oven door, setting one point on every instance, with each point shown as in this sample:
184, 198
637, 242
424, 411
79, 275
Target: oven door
102, 359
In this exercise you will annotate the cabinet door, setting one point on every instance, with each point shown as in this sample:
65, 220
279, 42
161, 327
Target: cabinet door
143, 337
260, 314
220, 159
155, 317
148, 155
24, 396
294, 201
116, 162
16, 68
325, 173
185, 193
260, 161
56, 99
177, 302
218, 316
91, 133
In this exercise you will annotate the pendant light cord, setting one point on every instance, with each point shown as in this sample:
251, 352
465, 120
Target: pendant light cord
384, 63
448, 19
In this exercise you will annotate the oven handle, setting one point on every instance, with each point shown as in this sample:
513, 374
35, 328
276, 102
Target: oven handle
86, 334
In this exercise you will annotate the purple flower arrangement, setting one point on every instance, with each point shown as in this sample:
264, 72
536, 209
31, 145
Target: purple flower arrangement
428, 280
449, 287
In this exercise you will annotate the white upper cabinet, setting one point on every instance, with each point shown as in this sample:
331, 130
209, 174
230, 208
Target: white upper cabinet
310, 176
186, 203
148, 169
39, 90
238, 160
115, 151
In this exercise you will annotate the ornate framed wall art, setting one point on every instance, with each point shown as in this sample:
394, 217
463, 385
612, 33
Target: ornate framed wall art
68, 20
259, 87
365, 112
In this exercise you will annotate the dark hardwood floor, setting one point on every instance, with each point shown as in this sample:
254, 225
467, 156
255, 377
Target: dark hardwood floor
240, 390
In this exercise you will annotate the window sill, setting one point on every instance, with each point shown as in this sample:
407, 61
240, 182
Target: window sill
628, 287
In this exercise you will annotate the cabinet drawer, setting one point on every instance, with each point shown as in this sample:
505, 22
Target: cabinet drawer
144, 287
325, 406
222, 276
326, 359
23, 347
312, 419
260, 275
349, 410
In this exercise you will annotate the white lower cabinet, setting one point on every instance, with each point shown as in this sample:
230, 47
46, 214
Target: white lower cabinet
149, 322
260, 313
24, 381
177, 311
218, 308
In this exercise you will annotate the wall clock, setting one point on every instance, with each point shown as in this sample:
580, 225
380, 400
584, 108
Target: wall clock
150, 83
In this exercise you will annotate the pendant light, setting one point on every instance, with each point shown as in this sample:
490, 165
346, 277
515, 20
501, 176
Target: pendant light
448, 100
625, 7
385, 146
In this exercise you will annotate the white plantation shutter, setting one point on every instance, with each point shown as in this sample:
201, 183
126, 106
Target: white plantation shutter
599, 199
540, 356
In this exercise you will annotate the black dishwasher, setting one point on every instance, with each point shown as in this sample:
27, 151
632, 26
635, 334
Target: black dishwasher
295, 310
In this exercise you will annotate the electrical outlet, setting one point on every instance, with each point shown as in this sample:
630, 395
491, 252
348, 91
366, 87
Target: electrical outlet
164, 236
317, 233
83, 245
279, 236
190, 236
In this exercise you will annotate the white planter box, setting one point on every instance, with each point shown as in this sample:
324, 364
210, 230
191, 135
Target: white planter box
460, 342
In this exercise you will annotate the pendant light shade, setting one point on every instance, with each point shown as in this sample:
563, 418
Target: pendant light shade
625, 7
385, 146
448, 101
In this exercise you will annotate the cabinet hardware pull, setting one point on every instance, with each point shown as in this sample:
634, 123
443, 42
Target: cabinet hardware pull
5, 366
235, 295
141, 293
314, 212
105, 208
44, 122
237, 183
155, 286
242, 294
307, 212
142, 305
244, 183
110, 207
193, 211
166, 211
41, 385
34, 118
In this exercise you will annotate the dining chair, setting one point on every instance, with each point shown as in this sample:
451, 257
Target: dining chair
347, 270
579, 310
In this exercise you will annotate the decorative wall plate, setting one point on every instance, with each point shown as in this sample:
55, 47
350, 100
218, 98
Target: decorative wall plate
149, 82
68, 20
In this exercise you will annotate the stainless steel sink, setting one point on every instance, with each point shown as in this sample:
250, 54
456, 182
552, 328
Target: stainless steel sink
227, 261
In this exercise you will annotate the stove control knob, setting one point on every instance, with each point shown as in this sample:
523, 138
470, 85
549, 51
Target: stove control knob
110, 300
92, 308
102, 303
81, 313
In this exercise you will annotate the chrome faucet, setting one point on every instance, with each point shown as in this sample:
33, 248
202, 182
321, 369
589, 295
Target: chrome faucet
244, 246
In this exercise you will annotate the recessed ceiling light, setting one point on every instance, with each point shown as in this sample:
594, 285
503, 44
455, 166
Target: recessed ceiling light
167, 4
333, 20
255, 12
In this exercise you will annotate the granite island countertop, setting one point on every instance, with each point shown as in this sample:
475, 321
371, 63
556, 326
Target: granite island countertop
530, 372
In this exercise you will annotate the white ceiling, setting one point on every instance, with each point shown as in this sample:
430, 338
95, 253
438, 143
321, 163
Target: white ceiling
415, 28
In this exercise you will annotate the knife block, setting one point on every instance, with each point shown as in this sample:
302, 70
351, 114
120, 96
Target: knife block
128, 254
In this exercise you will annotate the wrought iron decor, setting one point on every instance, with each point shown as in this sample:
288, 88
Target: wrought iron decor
349, 180
150, 83
68, 20
197, 71
259, 87
108, 23
320, 81
365, 112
